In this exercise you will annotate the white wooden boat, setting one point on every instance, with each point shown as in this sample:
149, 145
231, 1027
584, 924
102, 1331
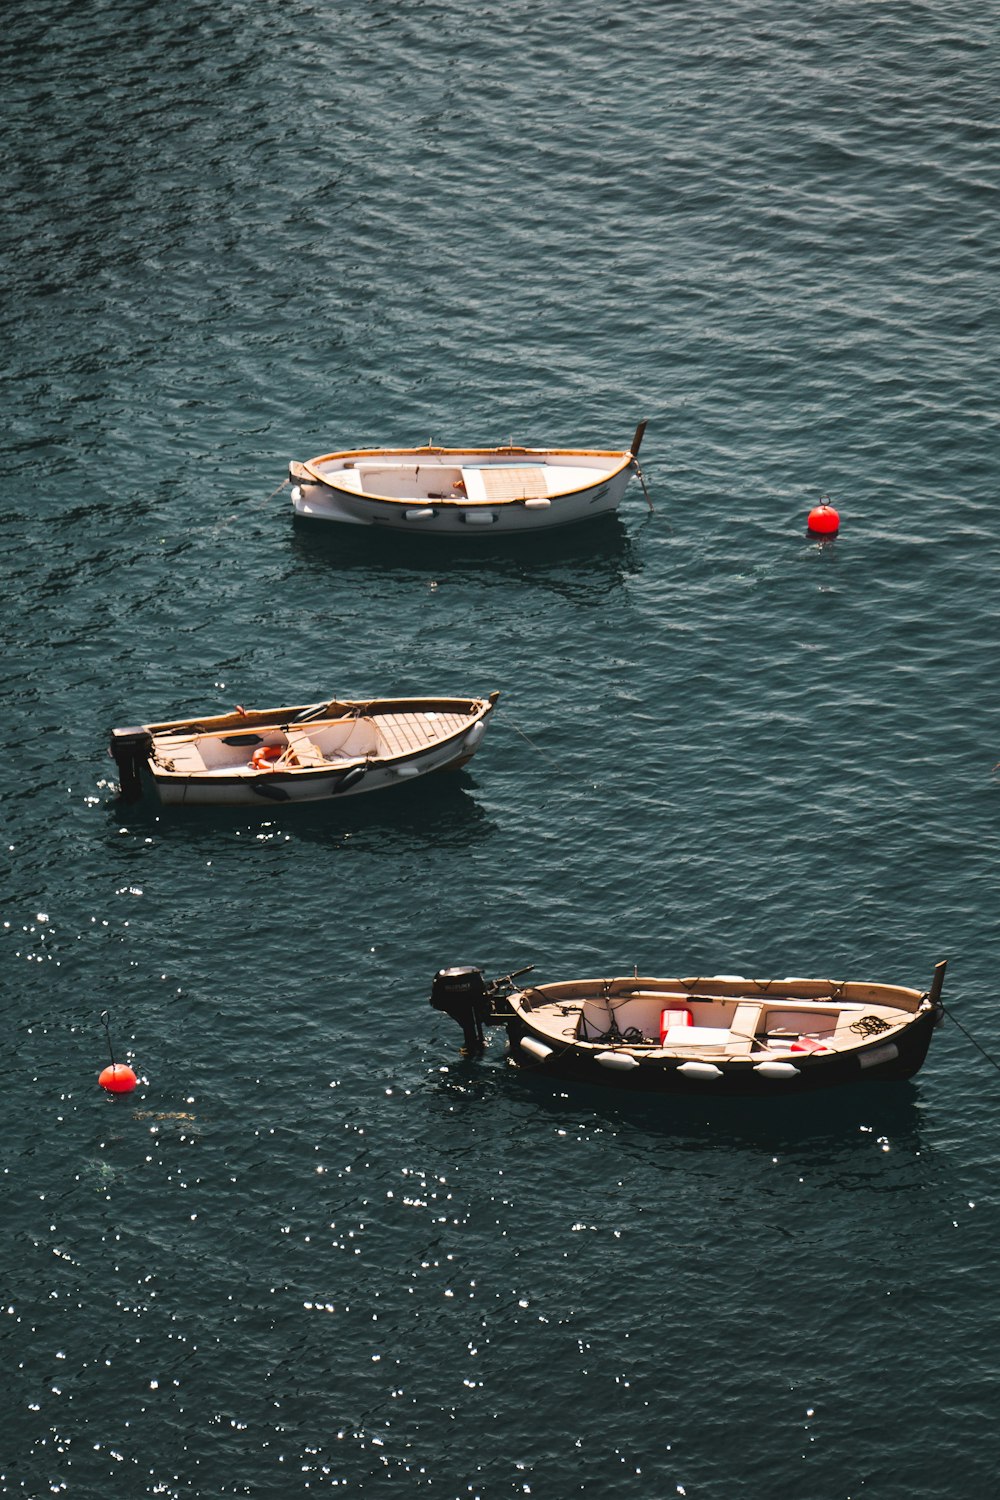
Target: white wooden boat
463, 491
718, 1035
306, 753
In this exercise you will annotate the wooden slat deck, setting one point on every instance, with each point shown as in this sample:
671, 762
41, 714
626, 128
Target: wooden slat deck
402, 734
513, 484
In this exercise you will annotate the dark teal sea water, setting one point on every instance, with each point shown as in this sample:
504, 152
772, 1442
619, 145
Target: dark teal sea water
316, 1252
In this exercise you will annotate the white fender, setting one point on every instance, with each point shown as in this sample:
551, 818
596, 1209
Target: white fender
474, 735
535, 1047
618, 1062
538, 503
424, 514
704, 1070
777, 1070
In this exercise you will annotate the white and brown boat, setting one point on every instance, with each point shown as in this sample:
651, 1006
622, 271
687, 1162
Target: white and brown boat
306, 753
718, 1035
464, 491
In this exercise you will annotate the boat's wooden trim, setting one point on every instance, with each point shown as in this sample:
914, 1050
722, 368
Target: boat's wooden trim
758, 1019
317, 750
402, 734
353, 454
331, 709
896, 1053
734, 987
310, 472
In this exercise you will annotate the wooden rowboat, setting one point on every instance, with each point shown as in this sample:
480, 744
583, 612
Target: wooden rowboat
463, 491
718, 1035
306, 753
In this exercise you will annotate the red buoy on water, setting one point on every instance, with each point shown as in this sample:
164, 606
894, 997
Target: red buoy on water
118, 1079
824, 520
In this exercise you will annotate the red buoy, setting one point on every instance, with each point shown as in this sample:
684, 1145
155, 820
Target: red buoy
824, 520
118, 1079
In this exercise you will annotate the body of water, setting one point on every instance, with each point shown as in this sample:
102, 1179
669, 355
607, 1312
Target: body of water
316, 1251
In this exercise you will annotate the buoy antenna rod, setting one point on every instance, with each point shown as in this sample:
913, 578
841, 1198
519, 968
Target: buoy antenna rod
107, 1030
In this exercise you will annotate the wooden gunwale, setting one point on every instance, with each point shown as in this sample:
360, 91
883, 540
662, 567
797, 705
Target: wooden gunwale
398, 728
542, 1008
340, 709
802, 991
601, 476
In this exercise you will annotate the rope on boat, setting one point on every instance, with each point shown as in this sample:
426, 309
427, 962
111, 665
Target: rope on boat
962, 1029
867, 1026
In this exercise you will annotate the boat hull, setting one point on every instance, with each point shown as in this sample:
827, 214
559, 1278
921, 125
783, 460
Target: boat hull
714, 1035
302, 753
321, 491
297, 786
902, 1058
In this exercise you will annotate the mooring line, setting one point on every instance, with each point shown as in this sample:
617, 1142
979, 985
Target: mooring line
543, 753
220, 526
642, 481
271, 496
971, 1038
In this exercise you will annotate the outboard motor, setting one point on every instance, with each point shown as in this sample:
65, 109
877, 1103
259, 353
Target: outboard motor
131, 749
462, 993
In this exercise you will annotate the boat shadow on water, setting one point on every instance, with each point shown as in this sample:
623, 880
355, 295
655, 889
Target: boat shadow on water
864, 1112
595, 555
773, 1124
439, 810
